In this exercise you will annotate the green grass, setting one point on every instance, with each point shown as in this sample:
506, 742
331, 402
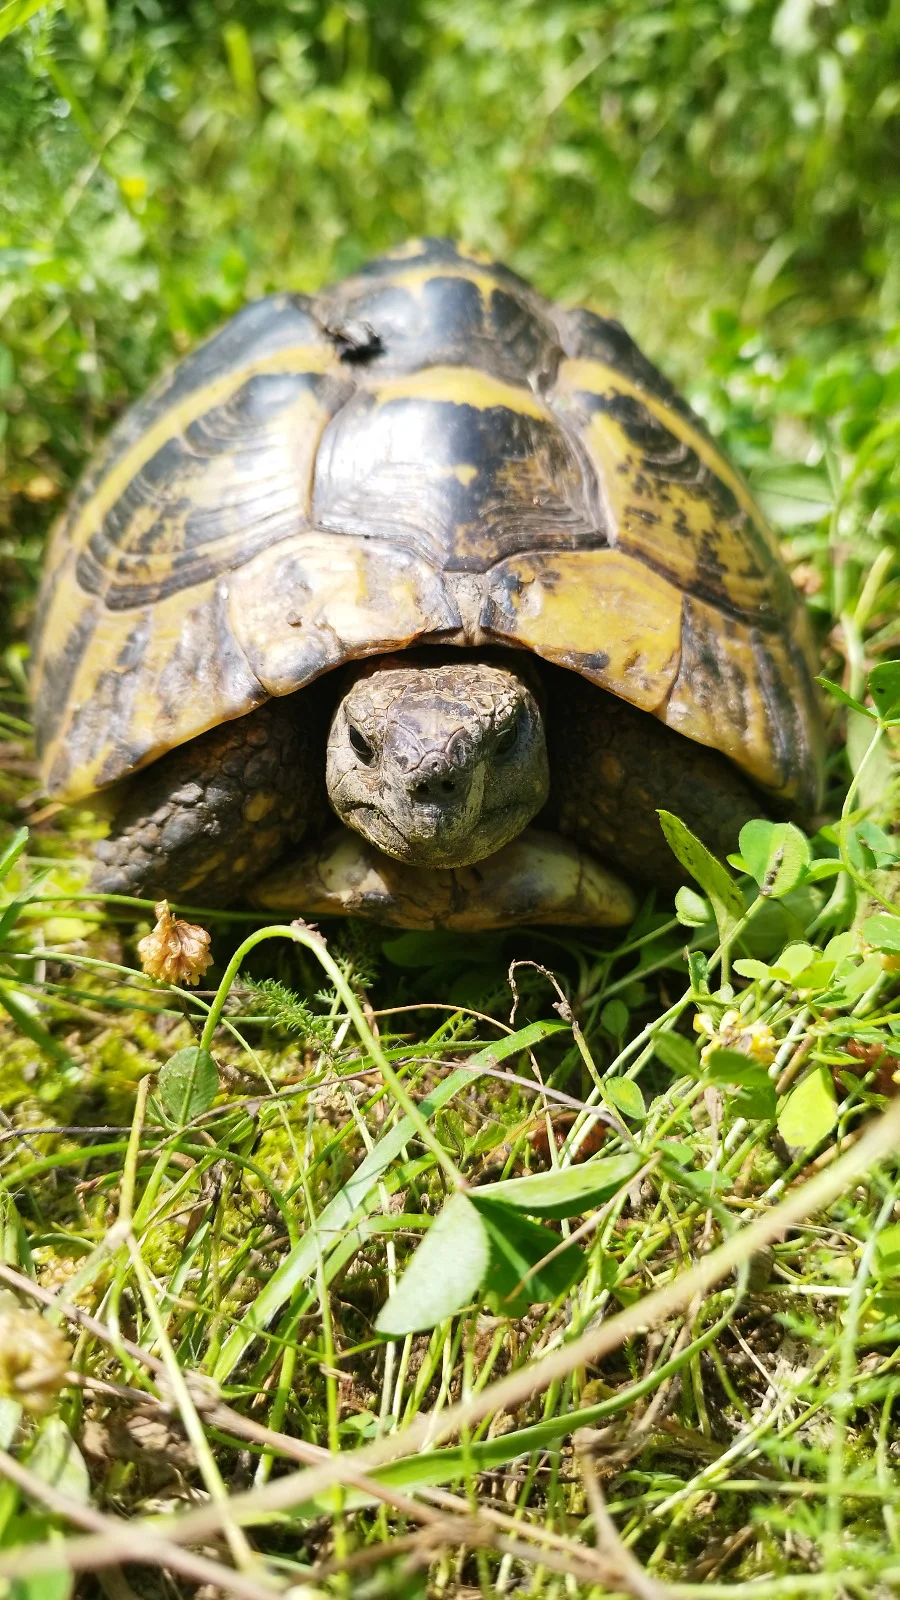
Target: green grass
696, 1394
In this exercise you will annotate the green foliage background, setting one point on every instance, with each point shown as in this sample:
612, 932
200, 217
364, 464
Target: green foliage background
725, 176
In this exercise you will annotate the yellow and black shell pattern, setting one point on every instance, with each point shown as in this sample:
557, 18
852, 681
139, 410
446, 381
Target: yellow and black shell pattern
427, 453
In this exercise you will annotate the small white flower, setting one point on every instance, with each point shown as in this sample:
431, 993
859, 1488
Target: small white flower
753, 1039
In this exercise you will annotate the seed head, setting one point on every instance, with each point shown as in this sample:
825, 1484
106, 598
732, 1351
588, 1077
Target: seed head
34, 1359
176, 951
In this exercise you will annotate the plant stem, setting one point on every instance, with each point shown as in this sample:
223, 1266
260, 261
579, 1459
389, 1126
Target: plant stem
850, 867
313, 942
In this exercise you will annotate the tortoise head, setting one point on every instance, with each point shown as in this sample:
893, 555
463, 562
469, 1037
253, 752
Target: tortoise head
437, 762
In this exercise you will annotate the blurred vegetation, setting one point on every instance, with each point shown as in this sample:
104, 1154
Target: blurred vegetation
725, 177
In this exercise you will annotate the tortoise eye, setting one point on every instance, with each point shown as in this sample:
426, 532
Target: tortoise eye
361, 746
508, 740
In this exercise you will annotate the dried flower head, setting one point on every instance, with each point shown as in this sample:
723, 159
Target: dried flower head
176, 951
753, 1039
34, 1359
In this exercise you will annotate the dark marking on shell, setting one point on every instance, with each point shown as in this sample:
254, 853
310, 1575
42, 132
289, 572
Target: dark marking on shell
784, 725
103, 722
596, 661
717, 682
60, 667
274, 323
459, 484
587, 336
168, 509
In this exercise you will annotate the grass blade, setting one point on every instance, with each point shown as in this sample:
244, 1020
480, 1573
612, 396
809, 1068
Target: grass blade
349, 1204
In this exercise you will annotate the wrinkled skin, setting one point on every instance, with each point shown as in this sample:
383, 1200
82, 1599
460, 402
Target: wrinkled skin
437, 765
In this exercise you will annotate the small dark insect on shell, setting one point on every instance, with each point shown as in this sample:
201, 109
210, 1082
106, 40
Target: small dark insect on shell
355, 340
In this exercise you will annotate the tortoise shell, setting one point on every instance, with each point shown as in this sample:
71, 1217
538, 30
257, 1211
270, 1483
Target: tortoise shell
428, 453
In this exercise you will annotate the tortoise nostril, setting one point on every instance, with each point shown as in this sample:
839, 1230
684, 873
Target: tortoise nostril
434, 787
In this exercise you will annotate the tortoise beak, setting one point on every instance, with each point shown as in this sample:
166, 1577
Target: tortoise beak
436, 807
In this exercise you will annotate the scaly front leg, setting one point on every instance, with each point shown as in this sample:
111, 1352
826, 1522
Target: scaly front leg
209, 818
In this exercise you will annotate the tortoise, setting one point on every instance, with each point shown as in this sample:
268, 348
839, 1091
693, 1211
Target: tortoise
415, 601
